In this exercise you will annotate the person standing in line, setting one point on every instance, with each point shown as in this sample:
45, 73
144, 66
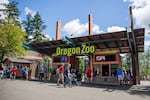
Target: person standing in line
120, 76
61, 75
14, 72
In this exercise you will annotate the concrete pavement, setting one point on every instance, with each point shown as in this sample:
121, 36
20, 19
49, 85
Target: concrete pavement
34, 90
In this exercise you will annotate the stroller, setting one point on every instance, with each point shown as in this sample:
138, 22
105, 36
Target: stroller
76, 79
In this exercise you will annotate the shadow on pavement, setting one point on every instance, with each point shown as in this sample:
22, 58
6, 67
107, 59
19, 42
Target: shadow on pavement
108, 87
132, 89
140, 90
41, 81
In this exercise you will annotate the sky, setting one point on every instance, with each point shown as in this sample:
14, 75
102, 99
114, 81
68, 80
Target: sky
108, 15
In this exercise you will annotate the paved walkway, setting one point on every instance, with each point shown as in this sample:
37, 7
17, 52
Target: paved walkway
33, 90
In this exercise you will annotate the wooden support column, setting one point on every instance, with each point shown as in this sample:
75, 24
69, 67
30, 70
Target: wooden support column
100, 69
134, 53
109, 70
135, 69
91, 61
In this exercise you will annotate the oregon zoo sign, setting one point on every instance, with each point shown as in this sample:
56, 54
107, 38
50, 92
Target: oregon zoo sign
75, 50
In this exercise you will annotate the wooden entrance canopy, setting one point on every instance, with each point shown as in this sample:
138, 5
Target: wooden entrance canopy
122, 41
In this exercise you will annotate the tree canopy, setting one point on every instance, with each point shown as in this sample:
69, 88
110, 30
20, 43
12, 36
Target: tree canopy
11, 10
11, 40
34, 27
12, 35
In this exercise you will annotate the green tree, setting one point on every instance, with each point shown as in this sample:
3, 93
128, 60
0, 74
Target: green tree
34, 26
12, 11
28, 26
11, 34
11, 39
39, 27
82, 67
48, 65
126, 61
144, 62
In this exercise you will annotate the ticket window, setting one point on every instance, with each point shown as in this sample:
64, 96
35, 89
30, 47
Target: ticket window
60, 59
105, 69
114, 69
96, 70
57, 61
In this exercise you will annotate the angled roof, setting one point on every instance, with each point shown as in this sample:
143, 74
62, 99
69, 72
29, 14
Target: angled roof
123, 41
16, 60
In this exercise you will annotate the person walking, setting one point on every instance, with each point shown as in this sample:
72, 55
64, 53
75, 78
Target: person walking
61, 75
68, 76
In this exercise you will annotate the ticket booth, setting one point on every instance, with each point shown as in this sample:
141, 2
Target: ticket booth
105, 66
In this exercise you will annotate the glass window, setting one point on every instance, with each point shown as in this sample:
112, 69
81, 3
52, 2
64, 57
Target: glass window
105, 70
96, 70
105, 58
60, 59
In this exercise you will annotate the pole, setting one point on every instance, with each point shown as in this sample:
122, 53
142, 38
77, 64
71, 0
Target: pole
134, 53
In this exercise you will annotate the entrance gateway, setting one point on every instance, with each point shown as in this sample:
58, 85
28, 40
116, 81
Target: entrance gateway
103, 51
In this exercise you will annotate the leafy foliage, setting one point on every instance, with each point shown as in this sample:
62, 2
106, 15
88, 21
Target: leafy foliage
82, 65
145, 71
11, 34
34, 26
12, 10
28, 26
144, 63
11, 39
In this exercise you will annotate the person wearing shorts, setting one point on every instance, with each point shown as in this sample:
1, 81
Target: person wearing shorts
61, 74
120, 76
